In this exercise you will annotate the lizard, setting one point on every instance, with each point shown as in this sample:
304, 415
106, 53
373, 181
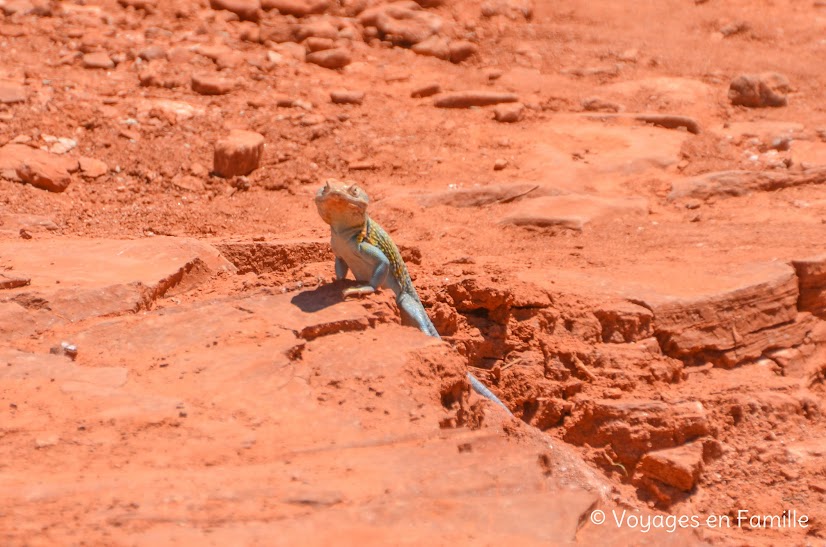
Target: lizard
362, 246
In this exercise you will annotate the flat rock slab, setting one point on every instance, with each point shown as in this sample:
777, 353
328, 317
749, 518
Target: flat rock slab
12, 223
77, 279
274, 256
574, 211
274, 431
724, 314
480, 196
682, 93
740, 183
582, 155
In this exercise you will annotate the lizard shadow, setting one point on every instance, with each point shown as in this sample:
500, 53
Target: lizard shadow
321, 297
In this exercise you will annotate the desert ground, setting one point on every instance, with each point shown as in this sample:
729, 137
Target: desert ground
614, 213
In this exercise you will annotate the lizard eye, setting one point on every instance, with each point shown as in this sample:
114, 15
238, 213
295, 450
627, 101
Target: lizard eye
353, 190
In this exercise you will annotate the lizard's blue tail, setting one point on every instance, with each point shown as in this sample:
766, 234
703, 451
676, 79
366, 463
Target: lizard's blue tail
482, 390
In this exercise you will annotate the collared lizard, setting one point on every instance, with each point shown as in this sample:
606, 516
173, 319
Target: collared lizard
362, 246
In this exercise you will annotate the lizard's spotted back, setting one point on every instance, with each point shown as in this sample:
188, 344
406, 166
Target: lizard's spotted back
375, 235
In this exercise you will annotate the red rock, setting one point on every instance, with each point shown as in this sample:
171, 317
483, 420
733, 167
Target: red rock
512, 9
466, 99
435, 46
678, 467
36, 167
759, 90
811, 275
462, 50
427, 90
508, 113
345, 96
634, 428
299, 8
752, 310
319, 44
402, 23
247, 10
92, 168
740, 183
316, 29
211, 84
152, 53
238, 154
98, 59
574, 211
146, 5
11, 92
9, 281
595, 104
330, 58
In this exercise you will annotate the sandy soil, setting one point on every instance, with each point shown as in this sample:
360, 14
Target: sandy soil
628, 247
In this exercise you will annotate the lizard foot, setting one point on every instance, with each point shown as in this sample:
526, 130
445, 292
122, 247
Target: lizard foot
358, 291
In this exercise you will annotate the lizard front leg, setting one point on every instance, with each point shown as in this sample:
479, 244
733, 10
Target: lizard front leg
341, 268
381, 268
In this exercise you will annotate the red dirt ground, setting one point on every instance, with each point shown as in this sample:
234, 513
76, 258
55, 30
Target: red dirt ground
656, 327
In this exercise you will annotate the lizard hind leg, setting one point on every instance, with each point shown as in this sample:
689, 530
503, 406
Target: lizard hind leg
413, 315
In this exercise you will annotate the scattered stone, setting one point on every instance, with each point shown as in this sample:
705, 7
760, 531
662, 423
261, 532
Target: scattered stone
759, 90
246, 10
500, 164
607, 70
238, 154
314, 43
24, 234
462, 50
678, 467
211, 84
188, 183
362, 165
634, 428
434, 46
670, 121
11, 93
467, 99
65, 348
733, 28
152, 53
8, 281
330, 58
595, 104
298, 8
508, 112
145, 5
37, 167
344, 96
316, 29
401, 23
46, 442
62, 145
511, 9
92, 168
427, 90
574, 211
98, 59
155, 75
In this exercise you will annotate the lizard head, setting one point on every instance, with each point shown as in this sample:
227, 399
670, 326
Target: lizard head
342, 204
